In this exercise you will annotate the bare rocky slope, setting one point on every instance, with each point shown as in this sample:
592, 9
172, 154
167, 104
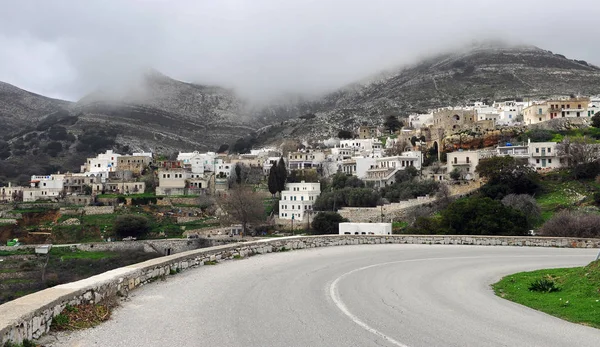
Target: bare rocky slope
490, 71
156, 113
159, 114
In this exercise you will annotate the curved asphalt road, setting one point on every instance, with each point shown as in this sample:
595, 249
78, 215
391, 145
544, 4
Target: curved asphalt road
376, 295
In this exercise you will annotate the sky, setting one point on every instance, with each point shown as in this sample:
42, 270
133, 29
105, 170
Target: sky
265, 48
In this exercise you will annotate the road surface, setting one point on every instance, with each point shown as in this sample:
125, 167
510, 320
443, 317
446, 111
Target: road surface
368, 295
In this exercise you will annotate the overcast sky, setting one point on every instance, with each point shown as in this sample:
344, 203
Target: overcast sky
264, 48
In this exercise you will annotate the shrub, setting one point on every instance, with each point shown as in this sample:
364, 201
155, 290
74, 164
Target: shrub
131, 225
543, 285
572, 224
327, 223
482, 216
526, 204
345, 134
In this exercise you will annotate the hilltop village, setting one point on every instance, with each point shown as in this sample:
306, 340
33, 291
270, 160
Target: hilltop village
362, 173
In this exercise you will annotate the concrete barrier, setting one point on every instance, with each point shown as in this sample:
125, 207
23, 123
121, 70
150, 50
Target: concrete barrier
31, 316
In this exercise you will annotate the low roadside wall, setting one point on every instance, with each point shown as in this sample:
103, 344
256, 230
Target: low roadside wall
31, 316
163, 247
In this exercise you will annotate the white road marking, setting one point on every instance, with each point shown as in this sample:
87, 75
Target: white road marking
335, 296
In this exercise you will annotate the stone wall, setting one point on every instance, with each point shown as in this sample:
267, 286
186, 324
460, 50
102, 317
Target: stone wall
163, 247
166, 201
70, 211
8, 221
47, 205
94, 210
188, 219
391, 211
30, 316
10, 214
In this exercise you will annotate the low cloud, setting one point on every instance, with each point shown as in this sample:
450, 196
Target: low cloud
264, 48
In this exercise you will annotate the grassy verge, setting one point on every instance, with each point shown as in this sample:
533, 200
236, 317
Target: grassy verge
577, 300
64, 253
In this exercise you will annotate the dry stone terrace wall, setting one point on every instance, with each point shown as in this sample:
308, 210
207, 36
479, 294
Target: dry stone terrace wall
95, 210
31, 316
396, 210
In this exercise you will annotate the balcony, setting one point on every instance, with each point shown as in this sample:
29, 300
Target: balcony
462, 163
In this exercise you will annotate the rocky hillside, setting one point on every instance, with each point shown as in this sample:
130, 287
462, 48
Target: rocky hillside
20, 108
156, 114
490, 71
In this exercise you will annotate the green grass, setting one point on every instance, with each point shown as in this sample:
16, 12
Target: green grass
17, 252
30, 210
577, 301
69, 253
141, 195
557, 196
17, 280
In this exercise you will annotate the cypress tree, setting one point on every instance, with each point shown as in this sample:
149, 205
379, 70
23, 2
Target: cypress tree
281, 175
273, 183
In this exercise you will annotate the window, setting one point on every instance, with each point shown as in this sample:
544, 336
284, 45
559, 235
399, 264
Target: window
549, 161
467, 160
537, 150
540, 111
537, 161
549, 150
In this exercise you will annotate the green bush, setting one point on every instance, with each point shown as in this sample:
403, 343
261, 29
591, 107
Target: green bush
327, 223
482, 216
543, 285
131, 225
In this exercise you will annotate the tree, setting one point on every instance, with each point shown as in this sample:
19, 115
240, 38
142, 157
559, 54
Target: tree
238, 173
223, 148
242, 205
507, 175
572, 224
526, 204
482, 216
345, 134
281, 175
455, 174
327, 223
272, 181
392, 124
398, 148
596, 120
131, 225
577, 150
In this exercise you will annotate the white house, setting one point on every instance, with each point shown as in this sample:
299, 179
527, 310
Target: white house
544, 156
102, 164
298, 200
383, 171
172, 181
465, 162
365, 228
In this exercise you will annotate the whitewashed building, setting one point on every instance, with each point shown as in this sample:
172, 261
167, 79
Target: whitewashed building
102, 164
382, 172
365, 228
298, 199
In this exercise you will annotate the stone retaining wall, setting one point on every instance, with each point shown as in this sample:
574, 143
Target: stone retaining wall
163, 247
391, 211
167, 201
31, 316
94, 210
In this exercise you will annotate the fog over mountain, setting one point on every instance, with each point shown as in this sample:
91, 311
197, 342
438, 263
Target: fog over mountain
263, 48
